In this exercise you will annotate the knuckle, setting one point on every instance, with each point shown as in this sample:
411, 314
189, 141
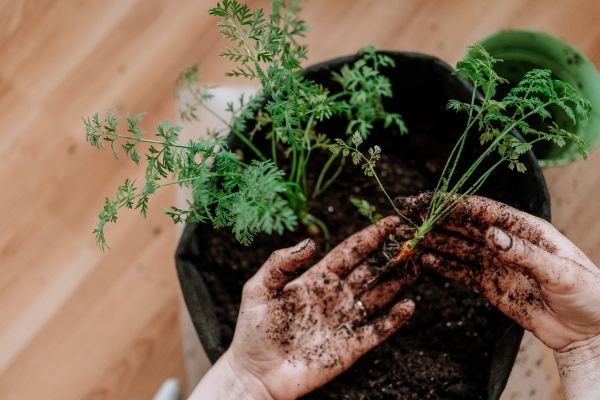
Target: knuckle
278, 253
528, 252
388, 222
350, 256
568, 278
520, 251
249, 287
276, 257
423, 198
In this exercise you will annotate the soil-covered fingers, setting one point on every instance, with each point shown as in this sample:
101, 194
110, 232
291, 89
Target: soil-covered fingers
475, 214
384, 292
455, 245
510, 291
367, 336
361, 277
457, 270
346, 255
281, 265
414, 207
549, 270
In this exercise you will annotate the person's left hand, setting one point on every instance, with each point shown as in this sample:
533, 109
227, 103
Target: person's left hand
294, 336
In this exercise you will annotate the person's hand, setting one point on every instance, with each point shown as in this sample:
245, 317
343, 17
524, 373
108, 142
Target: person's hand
521, 263
294, 336
527, 269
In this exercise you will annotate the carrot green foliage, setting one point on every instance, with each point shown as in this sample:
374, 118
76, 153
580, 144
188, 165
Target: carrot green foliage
247, 191
366, 209
492, 120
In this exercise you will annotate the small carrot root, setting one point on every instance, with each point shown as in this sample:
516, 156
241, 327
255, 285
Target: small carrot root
404, 254
406, 250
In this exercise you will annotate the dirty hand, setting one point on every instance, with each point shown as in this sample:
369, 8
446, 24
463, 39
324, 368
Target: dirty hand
294, 335
527, 269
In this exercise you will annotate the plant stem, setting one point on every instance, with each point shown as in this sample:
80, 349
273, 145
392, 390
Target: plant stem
317, 190
333, 177
237, 134
294, 164
304, 160
312, 219
193, 178
489, 149
274, 148
141, 140
457, 149
245, 39
385, 191
444, 209
443, 202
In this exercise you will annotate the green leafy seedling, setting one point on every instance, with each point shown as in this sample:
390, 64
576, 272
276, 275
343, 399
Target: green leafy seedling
250, 192
493, 121
366, 209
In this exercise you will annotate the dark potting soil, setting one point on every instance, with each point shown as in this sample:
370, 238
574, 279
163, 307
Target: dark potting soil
443, 352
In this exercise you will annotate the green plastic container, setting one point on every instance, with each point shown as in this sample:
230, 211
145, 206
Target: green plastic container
522, 50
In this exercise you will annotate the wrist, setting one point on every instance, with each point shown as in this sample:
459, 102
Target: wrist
226, 379
580, 354
579, 368
250, 383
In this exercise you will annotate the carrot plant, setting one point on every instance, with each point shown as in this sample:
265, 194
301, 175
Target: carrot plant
532, 99
257, 190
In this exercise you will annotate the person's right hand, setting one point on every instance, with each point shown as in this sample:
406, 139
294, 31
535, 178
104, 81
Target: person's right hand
521, 263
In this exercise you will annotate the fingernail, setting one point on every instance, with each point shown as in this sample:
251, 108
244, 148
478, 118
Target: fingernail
406, 308
301, 246
500, 239
407, 302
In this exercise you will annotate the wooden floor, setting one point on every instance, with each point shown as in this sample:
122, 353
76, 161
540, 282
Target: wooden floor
79, 324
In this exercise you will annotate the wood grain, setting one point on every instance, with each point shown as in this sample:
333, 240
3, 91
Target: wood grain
79, 324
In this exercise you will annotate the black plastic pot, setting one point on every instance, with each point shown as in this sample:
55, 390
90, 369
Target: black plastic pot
424, 84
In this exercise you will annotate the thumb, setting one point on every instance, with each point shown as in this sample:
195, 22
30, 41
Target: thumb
546, 268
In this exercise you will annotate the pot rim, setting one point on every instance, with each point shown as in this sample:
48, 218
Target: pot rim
566, 62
